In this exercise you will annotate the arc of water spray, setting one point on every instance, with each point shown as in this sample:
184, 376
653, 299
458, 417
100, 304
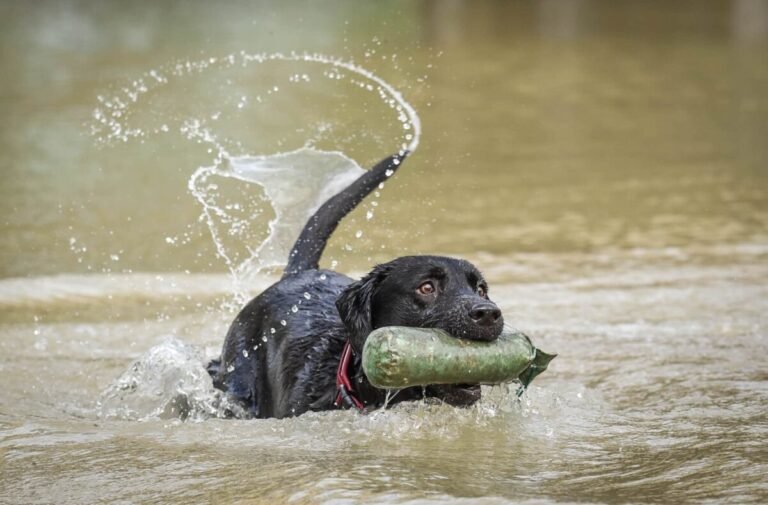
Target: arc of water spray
410, 112
408, 117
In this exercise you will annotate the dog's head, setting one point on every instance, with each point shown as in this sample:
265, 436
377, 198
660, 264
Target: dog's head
423, 292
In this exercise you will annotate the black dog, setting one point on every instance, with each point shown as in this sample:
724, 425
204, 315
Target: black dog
282, 353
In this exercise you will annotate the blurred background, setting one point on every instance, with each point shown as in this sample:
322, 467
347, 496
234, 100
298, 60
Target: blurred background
548, 126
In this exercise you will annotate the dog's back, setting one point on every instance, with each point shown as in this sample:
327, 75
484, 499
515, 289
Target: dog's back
281, 352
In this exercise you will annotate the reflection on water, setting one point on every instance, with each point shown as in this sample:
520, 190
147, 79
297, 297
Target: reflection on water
602, 162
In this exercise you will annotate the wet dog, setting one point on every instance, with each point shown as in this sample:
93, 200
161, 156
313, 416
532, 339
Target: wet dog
282, 353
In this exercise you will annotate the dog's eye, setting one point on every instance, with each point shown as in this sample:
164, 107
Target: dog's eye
481, 291
426, 288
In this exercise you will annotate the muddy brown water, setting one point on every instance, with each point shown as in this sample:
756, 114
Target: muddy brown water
603, 163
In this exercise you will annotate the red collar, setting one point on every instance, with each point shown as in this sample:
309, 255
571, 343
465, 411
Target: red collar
344, 389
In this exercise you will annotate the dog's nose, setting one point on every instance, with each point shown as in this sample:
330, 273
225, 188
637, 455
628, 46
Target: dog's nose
485, 314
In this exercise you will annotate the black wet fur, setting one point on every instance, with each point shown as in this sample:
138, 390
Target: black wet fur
281, 353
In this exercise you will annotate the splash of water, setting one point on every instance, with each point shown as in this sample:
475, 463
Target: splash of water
322, 175
294, 183
168, 382
109, 119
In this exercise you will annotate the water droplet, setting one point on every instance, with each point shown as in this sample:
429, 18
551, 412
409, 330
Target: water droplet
323, 277
307, 295
294, 309
358, 233
245, 353
231, 368
283, 322
114, 257
369, 215
272, 331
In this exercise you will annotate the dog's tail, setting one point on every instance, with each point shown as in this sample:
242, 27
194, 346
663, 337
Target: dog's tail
305, 253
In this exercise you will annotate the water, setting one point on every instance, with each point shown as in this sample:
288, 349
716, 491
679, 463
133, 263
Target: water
603, 163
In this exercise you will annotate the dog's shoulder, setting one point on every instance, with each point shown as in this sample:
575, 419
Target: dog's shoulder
305, 326
281, 351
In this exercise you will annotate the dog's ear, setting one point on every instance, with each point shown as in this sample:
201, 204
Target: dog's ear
354, 306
